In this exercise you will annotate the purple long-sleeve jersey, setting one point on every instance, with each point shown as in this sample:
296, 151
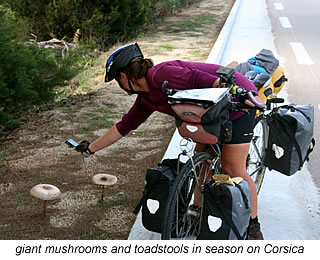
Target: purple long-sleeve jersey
180, 75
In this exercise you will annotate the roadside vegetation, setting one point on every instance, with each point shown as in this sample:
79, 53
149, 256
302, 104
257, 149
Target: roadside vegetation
83, 108
32, 76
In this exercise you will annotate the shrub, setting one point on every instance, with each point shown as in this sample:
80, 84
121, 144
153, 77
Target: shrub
104, 22
28, 75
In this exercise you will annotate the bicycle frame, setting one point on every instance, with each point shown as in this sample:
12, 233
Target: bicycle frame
216, 150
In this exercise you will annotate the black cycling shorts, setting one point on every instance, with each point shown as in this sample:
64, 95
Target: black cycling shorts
242, 128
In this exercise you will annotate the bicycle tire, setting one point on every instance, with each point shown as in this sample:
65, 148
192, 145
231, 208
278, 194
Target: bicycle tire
257, 152
177, 223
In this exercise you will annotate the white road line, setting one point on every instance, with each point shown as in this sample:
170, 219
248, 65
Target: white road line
285, 22
301, 54
278, 6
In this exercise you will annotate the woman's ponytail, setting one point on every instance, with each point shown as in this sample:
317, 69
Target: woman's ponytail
138, 68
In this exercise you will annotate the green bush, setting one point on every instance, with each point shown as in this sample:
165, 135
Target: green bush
104, 22
29, 75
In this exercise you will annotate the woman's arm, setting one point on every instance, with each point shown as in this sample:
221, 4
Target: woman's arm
110, 137
183, 77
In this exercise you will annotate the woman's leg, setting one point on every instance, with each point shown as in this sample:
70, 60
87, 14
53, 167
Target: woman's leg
197, 194
234, 158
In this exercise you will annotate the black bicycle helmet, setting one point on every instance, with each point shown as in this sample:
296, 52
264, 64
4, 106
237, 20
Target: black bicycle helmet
120, 59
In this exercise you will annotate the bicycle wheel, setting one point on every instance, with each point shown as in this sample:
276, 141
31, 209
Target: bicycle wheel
178, 222
258, 145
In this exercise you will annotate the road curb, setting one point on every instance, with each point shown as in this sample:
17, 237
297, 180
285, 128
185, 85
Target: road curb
216, 54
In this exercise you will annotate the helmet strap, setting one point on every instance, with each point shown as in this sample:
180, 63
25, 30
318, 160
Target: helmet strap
131, 88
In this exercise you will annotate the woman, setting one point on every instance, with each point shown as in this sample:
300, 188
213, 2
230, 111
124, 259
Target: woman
137, 75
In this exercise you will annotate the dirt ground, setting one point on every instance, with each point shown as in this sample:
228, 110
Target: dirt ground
37, 153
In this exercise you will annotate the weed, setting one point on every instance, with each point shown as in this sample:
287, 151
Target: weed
20, 197
4, 152
167, 47
96, 119
194, 52
122, 197
4, 229
191, 24
43, 177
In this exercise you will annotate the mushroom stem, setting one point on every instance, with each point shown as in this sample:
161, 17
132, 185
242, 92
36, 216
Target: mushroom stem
44, 207
102, 192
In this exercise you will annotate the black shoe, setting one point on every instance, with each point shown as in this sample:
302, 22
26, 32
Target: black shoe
254, 232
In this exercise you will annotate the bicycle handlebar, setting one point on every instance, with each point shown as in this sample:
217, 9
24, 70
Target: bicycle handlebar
251, 97
275, 100
258, 104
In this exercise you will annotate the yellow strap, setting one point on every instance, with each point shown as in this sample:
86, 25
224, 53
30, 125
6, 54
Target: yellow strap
225, 179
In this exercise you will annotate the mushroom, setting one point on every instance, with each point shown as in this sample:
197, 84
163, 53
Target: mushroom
45, 192
104, 180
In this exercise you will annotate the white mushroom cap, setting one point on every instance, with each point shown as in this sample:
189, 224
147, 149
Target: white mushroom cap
45, 192
104, 179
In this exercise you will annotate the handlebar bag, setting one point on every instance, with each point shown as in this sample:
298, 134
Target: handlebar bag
290, 138
158, 181
226, 211
202, 114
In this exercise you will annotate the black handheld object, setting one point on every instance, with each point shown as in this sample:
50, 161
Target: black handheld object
226, 75
71, 143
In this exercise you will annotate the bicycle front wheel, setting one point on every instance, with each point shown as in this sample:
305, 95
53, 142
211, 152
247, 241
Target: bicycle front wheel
257, 151
178, 222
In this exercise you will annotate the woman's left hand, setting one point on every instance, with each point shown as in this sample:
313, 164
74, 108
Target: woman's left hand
249, 103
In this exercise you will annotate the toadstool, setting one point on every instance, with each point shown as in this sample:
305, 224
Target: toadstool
104, 180
45, 192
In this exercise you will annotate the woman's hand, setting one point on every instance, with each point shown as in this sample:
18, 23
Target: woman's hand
84, 147
249, 103
216, 84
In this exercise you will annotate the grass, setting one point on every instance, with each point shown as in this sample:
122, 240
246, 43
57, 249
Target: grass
20, 197
96, 119
43, 177
4, 152
191, 24
167, 47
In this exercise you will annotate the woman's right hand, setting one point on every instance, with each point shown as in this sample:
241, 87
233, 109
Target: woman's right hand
84, 147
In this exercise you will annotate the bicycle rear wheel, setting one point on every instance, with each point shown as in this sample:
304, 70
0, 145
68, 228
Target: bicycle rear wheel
258, 145
178, 222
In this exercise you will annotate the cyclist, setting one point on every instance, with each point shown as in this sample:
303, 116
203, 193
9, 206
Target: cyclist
138, 75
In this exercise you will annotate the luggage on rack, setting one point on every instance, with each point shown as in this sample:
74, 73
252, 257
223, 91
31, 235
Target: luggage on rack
265, 62
202, 114
226, 209
278, 79
158, 181
290, 138
266, 92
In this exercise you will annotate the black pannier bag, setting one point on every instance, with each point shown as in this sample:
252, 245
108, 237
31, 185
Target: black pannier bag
158, 181
202, 114
290, 138
226, 210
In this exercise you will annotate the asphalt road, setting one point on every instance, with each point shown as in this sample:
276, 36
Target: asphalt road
295, 25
